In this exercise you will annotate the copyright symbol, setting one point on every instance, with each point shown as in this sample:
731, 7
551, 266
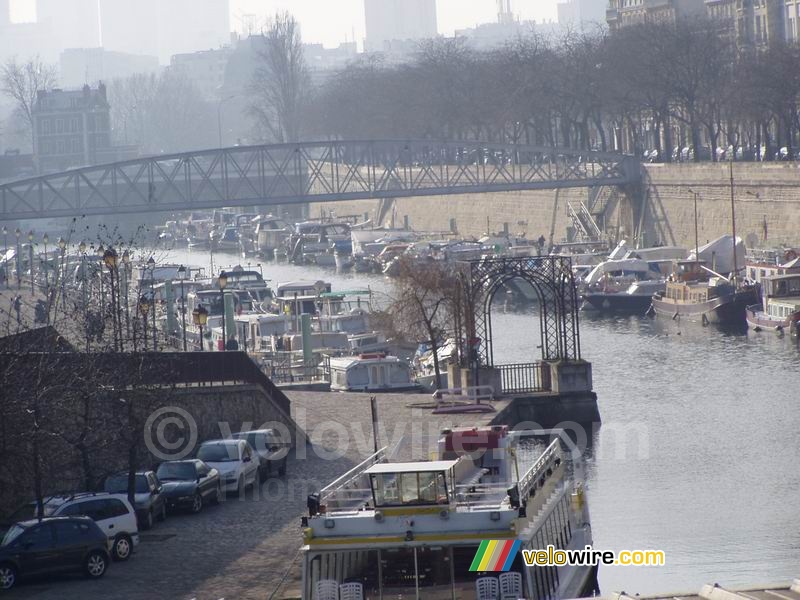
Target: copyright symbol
170, 433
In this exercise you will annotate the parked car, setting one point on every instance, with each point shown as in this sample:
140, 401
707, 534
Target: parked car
55, 544
148, 501
270, 448
112, 513
235, 460
189, 484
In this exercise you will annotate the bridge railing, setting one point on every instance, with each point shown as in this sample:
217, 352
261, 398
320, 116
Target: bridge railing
523, 378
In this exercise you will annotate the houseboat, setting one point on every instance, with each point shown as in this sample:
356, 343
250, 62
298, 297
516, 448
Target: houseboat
780, 305
693, 294
413, 529
375, 372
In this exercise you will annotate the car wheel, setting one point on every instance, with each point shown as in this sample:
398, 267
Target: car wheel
218, 495
96, 565
8, 576
162, 516
123, 546
197, 503
147, 522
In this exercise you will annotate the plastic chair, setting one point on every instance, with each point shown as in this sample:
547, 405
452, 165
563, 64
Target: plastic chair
351, 591
326, 589
487, 588
510, 586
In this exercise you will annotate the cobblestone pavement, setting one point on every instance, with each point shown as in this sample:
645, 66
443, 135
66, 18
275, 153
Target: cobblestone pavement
249, 548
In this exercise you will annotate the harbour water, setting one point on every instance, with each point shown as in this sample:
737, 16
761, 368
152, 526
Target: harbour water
699, 451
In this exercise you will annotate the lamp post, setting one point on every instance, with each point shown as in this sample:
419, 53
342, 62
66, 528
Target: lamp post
223, 283
200, 318
18, 233
30, 255
151, 264
5, 255
126, 263
144, 308
101, 251
45, 239
62, 272
111, 261
182, 277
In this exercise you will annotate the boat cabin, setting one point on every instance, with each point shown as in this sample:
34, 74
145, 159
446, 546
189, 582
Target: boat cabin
371, 373
781, 295
413, 529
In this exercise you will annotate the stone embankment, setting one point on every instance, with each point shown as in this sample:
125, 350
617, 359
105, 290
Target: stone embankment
767, 199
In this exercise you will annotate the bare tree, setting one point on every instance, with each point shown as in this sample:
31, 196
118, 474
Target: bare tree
281, 84
22, 82
423, 303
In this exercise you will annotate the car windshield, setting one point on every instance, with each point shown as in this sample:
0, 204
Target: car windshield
12, 534
177, 471
218, 453
118, 484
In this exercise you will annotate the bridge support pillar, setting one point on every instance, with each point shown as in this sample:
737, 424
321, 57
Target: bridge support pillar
570, 376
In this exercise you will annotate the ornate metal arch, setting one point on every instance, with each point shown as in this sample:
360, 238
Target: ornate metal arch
550, 276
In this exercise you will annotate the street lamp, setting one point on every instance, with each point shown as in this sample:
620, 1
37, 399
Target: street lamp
5, 255
151, 263
45, 239
223, 283
111, 260
144, 308
126, 263
30, 254
18, 233
182, 277
200, 318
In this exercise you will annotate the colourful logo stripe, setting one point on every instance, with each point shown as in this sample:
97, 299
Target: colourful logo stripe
486, 559
512, 554
476, 562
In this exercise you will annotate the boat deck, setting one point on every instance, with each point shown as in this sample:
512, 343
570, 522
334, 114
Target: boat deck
716, 592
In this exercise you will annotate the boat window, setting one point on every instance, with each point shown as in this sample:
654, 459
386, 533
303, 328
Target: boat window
394, 489
399, 374
358, 376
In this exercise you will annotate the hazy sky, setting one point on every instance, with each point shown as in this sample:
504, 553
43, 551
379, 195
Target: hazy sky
330, 21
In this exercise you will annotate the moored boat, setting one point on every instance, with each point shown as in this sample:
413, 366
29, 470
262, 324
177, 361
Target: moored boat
634, 300
780, 306
413, 529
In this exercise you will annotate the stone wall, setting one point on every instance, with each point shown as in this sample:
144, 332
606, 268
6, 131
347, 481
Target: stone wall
764, 193
204, 412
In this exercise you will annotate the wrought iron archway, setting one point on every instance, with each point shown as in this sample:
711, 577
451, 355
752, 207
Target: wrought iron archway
550, 276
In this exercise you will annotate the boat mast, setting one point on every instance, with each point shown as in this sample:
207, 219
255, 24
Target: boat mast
733, 224
696, 237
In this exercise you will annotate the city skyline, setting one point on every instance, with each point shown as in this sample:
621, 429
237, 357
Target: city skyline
332, 23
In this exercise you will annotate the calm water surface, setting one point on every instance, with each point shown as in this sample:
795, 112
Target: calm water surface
699, 452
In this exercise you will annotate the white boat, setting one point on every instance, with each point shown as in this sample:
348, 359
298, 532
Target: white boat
414, 529
371, 373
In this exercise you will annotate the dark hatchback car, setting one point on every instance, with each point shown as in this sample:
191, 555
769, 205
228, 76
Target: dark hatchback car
189, 484
149, 501
56, 544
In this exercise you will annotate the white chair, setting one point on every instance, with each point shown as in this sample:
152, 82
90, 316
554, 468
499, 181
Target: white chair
351, 591
326, 589
487, 588
510, 586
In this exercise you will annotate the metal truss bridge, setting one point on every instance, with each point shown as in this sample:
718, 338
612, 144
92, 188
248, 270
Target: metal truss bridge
308, 172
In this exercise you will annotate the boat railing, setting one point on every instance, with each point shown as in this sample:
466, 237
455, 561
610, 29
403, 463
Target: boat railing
349, 490
539, 468
482, 496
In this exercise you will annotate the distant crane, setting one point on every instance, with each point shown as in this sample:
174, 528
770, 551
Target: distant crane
505, 13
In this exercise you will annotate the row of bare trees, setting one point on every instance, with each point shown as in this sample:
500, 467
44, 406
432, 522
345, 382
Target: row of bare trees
645, 87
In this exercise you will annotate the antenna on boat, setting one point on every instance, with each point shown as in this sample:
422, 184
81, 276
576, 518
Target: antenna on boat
735, 273
696, 240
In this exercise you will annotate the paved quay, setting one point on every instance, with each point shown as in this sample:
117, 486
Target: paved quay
248, 548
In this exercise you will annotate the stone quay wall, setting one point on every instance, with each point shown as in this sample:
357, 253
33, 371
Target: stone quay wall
767, 200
